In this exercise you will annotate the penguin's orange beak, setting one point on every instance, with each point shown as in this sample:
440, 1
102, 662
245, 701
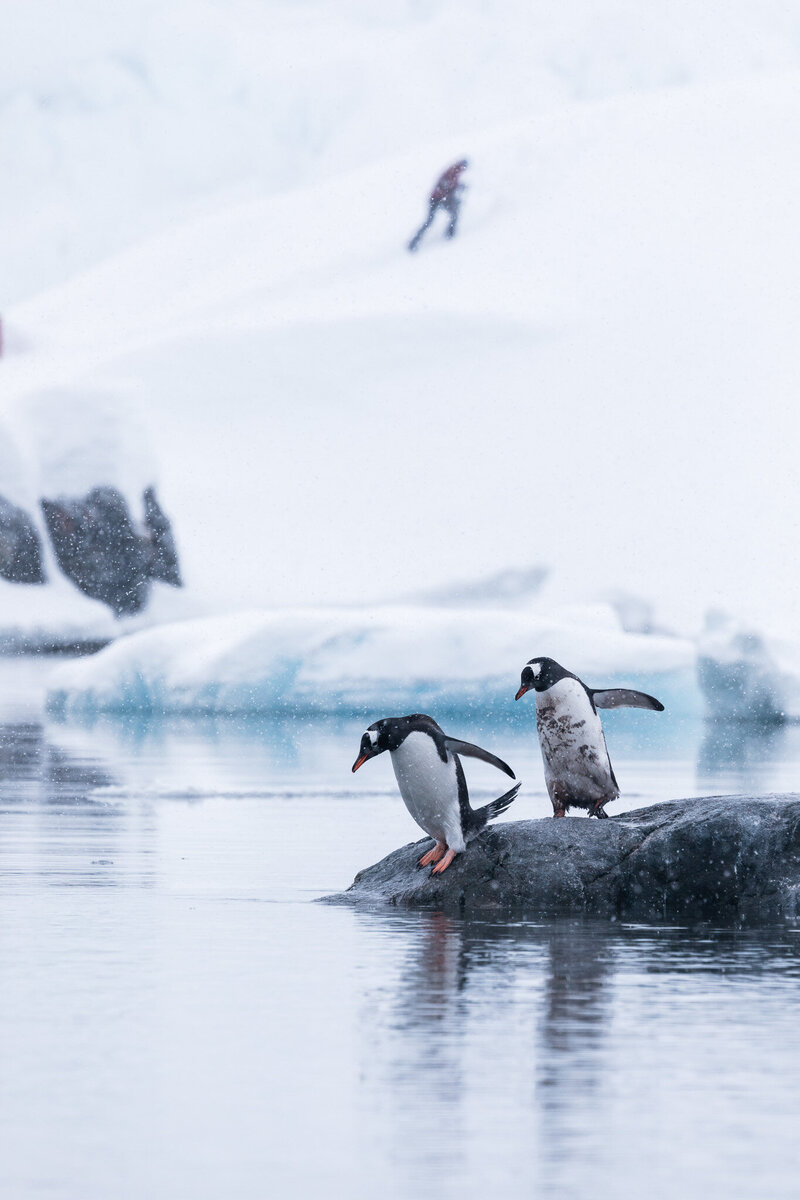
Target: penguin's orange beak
360, 761
522, 692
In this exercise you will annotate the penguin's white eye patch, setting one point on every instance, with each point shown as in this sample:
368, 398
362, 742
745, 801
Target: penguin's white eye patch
536, 670
373, 737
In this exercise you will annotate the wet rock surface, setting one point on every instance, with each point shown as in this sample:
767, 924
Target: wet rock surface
717, 858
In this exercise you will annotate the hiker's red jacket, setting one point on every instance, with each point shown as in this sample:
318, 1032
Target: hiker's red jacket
448, 182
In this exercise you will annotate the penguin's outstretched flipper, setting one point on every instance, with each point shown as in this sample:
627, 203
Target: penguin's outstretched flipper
623, 698
482, 816
469, 751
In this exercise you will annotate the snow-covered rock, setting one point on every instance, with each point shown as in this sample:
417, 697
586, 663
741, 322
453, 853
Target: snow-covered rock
78, 468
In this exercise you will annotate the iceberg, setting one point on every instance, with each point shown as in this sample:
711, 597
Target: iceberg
380, 659
748, 676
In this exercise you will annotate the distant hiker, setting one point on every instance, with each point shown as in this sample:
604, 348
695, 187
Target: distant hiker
447, 195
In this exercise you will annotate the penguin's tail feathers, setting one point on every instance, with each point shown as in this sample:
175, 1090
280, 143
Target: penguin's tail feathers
489, 811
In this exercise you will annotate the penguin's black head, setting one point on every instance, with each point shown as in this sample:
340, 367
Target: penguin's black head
390, 733
540, 674
372, 743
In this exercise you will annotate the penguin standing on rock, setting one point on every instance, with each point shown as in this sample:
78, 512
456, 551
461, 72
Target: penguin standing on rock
577, 768
427, 764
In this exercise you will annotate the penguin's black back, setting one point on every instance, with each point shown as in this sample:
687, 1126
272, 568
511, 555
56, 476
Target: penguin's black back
395, 730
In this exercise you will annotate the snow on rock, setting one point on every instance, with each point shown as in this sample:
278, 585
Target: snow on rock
51, 617
39, 615
80, 437
378, 659
76, 470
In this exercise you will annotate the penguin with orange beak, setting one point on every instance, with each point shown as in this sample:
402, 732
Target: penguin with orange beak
577, 769
427, 765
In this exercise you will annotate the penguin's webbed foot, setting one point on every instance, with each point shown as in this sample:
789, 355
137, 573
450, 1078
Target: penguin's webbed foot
434, 855
445, 863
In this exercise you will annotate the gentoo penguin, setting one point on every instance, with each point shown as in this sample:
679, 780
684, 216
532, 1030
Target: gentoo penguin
577, 768
432, 783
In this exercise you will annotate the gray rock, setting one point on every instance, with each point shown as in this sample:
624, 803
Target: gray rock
100, 549
717, 858
20, 547
163, 554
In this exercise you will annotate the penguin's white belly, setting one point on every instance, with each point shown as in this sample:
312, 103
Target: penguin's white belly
574, 753
429, 788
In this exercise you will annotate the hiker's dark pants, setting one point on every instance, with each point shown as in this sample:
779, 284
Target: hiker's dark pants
450, 204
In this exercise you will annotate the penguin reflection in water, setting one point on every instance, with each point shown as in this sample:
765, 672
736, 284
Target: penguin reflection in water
577, 769
427, 764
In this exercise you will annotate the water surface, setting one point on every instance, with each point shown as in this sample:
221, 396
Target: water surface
179, 1019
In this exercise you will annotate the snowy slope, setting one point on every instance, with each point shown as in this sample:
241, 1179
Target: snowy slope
116, 118
599, 374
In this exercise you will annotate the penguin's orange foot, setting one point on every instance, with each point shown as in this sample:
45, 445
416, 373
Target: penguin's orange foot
445, 863
433, 855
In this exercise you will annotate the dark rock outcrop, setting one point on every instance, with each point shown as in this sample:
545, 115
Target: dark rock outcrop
20, 547
163, 554
718, 858
99, 548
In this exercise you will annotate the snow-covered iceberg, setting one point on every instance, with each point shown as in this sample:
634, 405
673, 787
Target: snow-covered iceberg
748, 676
377, 659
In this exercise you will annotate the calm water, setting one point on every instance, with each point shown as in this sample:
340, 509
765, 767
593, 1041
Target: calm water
178, 1019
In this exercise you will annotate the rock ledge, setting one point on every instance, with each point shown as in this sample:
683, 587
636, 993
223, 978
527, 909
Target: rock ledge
716, 858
